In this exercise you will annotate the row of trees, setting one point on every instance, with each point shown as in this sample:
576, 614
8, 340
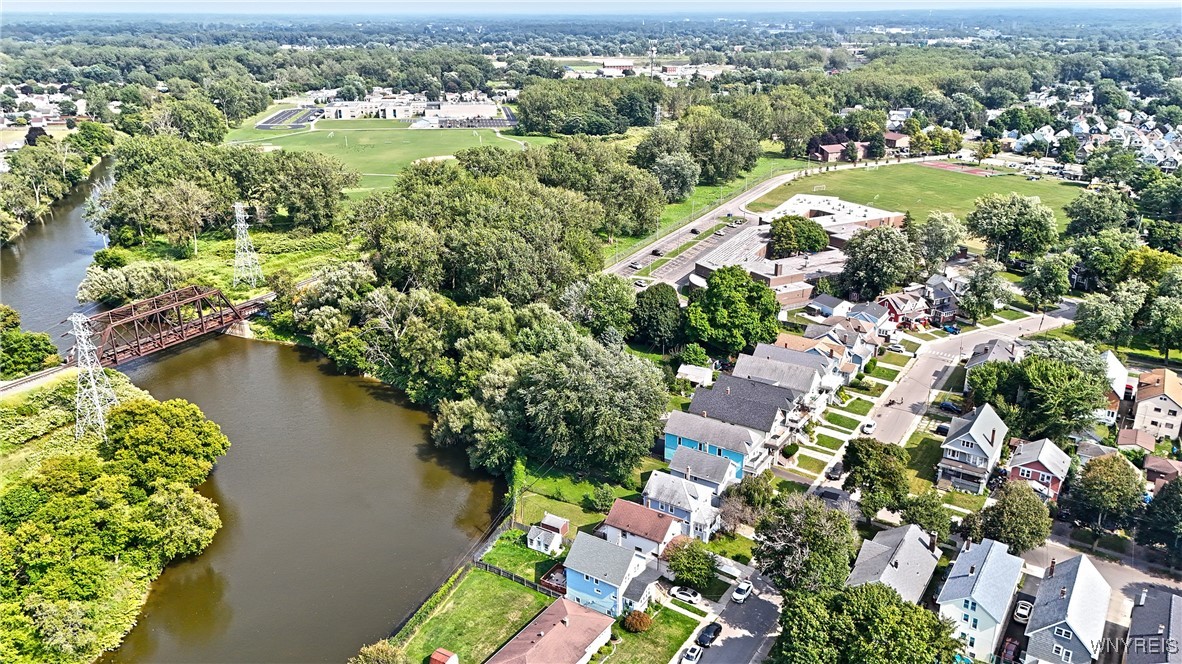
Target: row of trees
23, 353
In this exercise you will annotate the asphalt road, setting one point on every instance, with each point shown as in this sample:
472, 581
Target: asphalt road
936, 359
748, 629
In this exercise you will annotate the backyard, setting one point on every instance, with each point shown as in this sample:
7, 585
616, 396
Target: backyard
511, 554
482, 613
656, 646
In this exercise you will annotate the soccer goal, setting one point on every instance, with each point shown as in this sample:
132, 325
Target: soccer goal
819, 187
872, 167
332, 134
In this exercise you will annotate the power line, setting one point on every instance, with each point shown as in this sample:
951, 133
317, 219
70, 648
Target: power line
246, 263
94, 395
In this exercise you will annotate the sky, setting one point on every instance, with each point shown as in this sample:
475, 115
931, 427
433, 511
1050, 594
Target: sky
551, 7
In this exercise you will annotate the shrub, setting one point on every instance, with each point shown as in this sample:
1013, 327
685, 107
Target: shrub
601, 498
637, 622
382, 652
791, 450
113, 257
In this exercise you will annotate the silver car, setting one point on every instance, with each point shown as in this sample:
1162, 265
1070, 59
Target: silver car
742, 592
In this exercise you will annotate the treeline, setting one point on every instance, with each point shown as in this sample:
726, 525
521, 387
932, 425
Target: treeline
23, 353
83, 534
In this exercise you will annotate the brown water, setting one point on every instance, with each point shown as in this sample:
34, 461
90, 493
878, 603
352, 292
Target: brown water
338, 516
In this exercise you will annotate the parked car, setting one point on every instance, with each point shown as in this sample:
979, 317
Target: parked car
685, 594
949, 407
639, 283
708, 635
658, 252
695, 231
635, 265
869, 427
942, 430
1022, 611
693, 655
897, 348
835, 471
742, 592
1009, 652
720, 233
951, 329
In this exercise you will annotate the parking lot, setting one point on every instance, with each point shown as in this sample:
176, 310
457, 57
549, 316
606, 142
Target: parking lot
673, 258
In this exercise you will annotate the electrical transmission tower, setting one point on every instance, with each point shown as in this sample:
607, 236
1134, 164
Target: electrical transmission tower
94, 395
246, 263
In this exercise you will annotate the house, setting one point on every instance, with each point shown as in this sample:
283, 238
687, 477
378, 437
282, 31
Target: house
972, 448
994, 350
903, 558
703, 376
546, 536
710, 470
1158, 404
1156, 628
598, 573
563, 633
978, 594
905, 307
1042, 465
1159, 470
1067, 623
1087, 450
634, 526
827, 366
878, 316
692, 503
857, 337
1135, 439
896, 141
742, 446
804, 380
1117, 380
846, 366
828, 305
827, 154
943, 296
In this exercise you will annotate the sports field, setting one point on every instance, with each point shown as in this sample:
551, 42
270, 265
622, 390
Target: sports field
921, 189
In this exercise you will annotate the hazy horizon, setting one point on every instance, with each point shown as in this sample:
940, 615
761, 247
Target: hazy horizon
540, 7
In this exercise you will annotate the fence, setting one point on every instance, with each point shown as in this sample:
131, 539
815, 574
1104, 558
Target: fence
479, 564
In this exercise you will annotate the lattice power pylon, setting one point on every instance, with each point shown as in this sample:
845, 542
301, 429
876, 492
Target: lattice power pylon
246, 263
94, 395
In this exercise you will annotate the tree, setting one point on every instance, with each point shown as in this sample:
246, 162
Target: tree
1095, 210
1019, 518
695, 355
866, 624
310, 186
194, 120
936, 239
181, 211
876, 146
382, 652
928, 512
986, 287
1098, 319
637, 622
876, 259
851, 152
691, 562
92, 139
794, 234
1109, 488
733, 312
1148, 265
879, 472
23, 353
171, 441
805, 546
1165, 324
657, 317
1039, 397
601, 301
1012, 223
722, 148
658, 143
184, 521
677, 173
1068, 146
1046, 281
1162, 524
1163, 199
1101, 255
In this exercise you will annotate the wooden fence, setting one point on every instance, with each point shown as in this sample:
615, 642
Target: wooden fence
479, 564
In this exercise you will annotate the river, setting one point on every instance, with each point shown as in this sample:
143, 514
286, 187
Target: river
338, 516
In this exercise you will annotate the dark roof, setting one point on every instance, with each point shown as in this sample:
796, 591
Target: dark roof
826, 300
747, 403
691, 462
641, 582
1158, 617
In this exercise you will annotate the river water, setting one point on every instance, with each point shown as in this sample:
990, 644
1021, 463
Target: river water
338, 516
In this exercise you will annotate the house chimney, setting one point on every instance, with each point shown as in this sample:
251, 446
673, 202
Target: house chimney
1141, 600
703, 413
1161, 629
895, 564
968, 543
972, 570
1051, 570
728, 389
779, 269
993, 436
932, 541
566, 620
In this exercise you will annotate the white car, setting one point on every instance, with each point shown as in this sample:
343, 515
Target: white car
869, 427
685, 594
897, 348
693, 655
742, 592
1022, 612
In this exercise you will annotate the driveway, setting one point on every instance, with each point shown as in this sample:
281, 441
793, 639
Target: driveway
748, 629
913, 389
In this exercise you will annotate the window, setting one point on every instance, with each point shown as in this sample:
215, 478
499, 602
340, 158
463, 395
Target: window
586, 578
1153, 423
1062, 633
1044, 478
964, 617
1173, 413
966, 604
598, 591
1157, 410
972, 641
968, 444
596, 581
972, 606
1025, 473
974, 623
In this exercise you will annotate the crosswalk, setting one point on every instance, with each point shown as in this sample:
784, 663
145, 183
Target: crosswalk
946, 356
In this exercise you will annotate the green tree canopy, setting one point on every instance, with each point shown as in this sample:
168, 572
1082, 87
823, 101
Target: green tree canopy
1095, 210
1011, 223
1019, 518
876, 259
879, 471
1046, 282
803, 545
1109, 488
733, 312
169, 441
657, 317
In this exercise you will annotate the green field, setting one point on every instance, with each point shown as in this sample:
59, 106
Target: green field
925, 452
920, 190
511, 554
361, 123
656, 646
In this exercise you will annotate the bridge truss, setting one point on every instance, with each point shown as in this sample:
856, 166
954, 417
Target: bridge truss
145, 327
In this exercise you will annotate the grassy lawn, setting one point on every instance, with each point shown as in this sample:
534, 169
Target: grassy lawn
361, 123
811, 464
679, 402
656, 646
512, 555
884, 373
840, 420
897, 359
696, 610
644, 350
1139, 347
859, 406
735, 547
937, 332
1009, 314
789, 487
482, 613
911, 346
560, 485
921, 190
925, 452
955, 381
969, 501
867, 388
534, 507
829, 442
989, 322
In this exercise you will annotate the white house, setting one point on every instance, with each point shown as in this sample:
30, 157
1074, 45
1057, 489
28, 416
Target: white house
546, 536
1117, 379
978, 594
692, 504
633, 526
972, 448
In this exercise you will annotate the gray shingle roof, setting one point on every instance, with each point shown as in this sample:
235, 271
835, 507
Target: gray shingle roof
983, 426
1045, 452
995, 350
790, 356
871, 309
695, 463
1157, 621
1084, 606
792, 376
599, 559
900, 558
714, 431
826, 300
687, 495
641, 582
547, 536
986, 573
749, 403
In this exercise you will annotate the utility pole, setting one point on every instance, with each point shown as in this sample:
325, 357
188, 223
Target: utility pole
246, 263
94, 396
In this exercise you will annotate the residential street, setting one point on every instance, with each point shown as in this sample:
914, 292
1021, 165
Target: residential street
748, 629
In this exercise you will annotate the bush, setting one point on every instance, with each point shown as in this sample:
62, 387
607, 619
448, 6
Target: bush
637, 622
113, 257
791, 450
382, 652
601, 498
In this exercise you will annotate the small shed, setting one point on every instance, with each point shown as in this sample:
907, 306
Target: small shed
696, 375
443, 656
546, 536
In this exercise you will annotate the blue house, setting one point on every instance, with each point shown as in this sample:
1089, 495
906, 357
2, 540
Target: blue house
738, 445
599, 575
